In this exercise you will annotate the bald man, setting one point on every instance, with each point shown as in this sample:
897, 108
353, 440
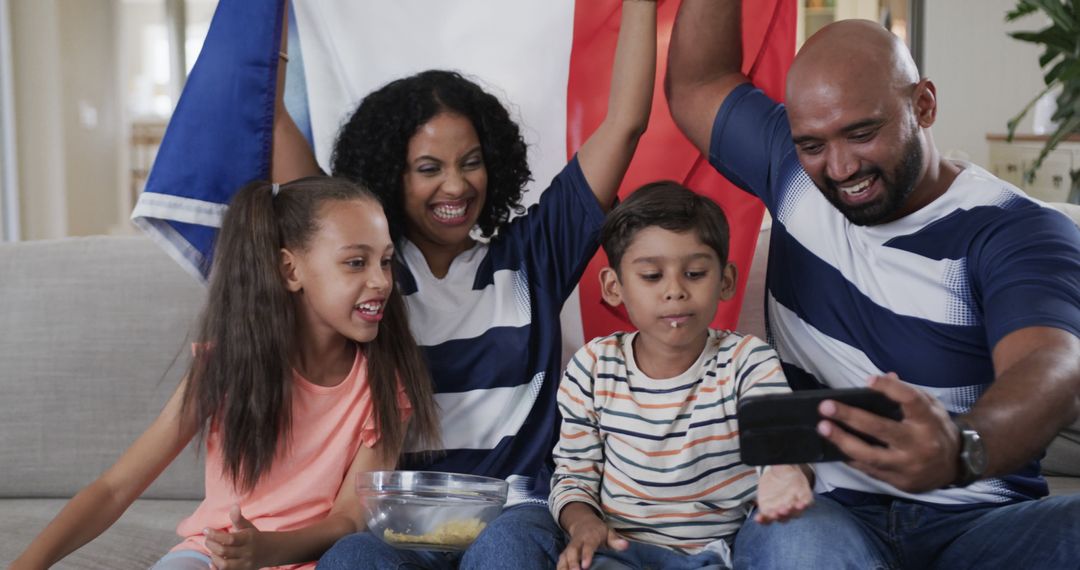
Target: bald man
932, 281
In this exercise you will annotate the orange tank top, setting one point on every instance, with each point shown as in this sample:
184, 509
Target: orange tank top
329, 424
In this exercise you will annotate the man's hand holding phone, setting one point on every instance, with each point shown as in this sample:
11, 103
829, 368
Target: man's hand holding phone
891, 431
784, 428
918, 453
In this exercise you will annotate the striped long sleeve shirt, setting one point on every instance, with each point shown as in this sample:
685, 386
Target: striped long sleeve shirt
659, 458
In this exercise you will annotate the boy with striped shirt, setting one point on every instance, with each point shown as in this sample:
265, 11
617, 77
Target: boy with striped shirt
647, 468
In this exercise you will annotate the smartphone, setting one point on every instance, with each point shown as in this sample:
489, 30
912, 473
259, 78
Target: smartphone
782, 428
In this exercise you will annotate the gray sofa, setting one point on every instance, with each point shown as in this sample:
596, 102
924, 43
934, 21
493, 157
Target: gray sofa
93, 339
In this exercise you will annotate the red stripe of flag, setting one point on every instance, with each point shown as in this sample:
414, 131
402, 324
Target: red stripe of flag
664, 153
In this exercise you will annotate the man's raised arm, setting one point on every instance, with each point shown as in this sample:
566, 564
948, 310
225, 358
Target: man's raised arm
704, 65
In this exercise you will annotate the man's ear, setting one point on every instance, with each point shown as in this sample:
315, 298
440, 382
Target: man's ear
729, 280
290, 271
609, 287
925, 103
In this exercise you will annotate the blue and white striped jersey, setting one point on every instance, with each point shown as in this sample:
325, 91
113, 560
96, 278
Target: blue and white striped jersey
490, 331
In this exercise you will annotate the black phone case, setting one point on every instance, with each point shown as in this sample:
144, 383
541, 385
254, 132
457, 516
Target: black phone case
782, 428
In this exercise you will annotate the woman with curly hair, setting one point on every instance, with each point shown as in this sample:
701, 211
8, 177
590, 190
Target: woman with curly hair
374, 146
484, 292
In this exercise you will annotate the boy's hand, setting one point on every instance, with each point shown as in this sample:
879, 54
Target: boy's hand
783, 494
236, 550
586, 536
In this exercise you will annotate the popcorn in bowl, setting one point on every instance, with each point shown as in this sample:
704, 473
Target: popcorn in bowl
426, 510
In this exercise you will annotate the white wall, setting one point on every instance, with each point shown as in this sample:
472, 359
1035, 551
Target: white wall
38, 121
857, 9
66, 116
91, 107
983, 76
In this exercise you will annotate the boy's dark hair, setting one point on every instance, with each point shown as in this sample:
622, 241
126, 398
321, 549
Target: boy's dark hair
241, 379
372, 146
669, 205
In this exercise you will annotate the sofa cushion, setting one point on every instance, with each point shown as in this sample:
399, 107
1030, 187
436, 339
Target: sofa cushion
1063, 455
1063, 485
94, 341
145, 533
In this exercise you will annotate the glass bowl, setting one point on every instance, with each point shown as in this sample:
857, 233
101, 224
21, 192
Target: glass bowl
427, 510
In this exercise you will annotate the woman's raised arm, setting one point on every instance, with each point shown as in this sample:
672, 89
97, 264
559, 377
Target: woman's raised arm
606, 155
291, 155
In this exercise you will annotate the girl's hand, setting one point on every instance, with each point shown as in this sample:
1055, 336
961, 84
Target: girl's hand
586, 537
236, 550
783, 494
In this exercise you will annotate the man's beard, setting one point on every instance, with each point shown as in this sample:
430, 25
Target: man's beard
899, 184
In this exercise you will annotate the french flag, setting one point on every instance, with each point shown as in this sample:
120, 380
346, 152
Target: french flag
549, 61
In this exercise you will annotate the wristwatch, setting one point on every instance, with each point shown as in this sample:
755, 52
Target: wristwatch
972, 459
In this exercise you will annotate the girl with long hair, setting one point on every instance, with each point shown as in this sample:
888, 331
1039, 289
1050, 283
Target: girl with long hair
304, 374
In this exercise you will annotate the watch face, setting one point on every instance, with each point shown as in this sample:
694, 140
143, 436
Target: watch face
974, 453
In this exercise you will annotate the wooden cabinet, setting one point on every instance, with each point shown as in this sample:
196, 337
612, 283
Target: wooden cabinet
1052, 182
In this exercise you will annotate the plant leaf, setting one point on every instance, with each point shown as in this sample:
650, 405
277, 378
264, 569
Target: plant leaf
1022, 9
1060, 61
1056, 10
1049, 36
1049, 55
1067, 102
1068, 106
1071, 70
1055, 71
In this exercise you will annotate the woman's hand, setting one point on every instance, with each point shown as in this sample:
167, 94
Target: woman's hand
236, 550
783, 493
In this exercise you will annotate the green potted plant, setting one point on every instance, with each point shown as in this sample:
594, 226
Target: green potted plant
1060, 61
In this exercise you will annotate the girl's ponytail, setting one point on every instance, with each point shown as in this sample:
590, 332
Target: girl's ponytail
241, 377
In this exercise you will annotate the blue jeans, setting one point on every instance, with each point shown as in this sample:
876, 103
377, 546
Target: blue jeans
642, 556
901, 534
523, 537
